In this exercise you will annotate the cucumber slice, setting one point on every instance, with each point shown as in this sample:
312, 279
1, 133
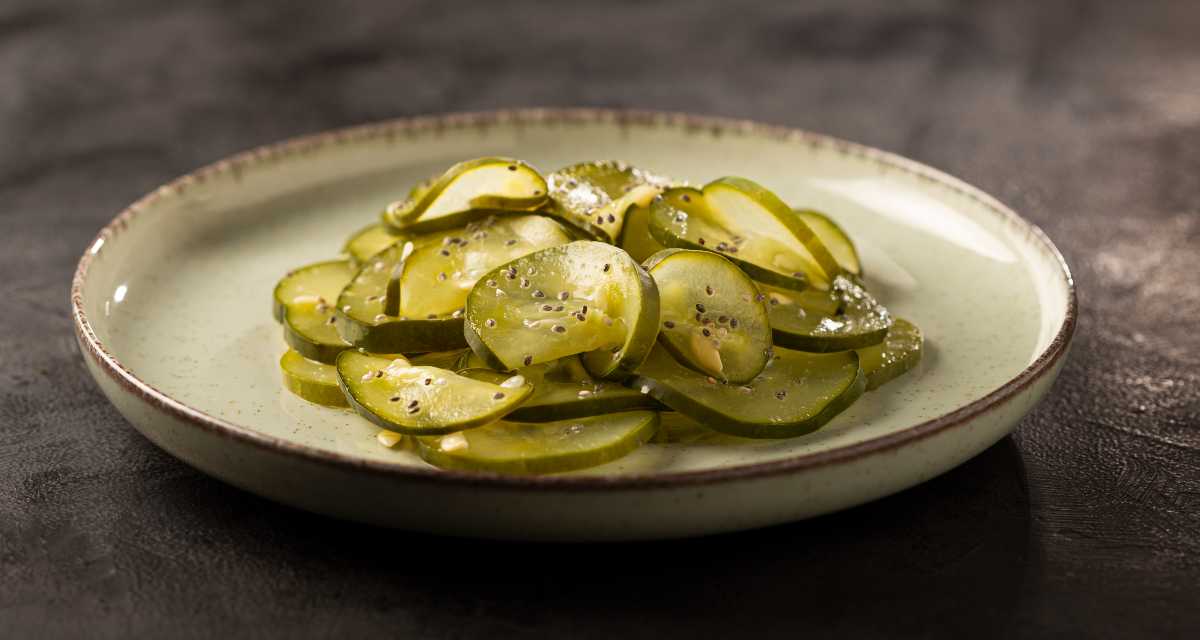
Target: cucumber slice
681, 219
751, 210
467, 190
311, 380
795, 394
546, 447
835, 239
415, 400
437, 277
367, 242
583, 297
635, 235
561, 400
595, 196
899, 352
845, 317
303, 303
749, 225
361, 320
713, 318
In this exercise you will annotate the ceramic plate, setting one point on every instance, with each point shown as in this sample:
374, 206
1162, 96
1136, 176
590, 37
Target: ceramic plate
171, 306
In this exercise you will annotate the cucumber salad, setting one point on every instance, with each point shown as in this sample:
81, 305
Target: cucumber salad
500, 320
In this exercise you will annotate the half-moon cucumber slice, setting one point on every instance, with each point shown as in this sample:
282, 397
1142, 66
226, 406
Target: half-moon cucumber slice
750, 226
367, 242
555, 399
899, 353
795, 394
436, 278
469, 190
583, 297
303, 302
416, 400
544, 447
311, 380
835, 239
361, 320
845, 317
713, 318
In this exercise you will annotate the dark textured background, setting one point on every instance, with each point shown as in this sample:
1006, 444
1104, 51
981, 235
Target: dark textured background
1083, 116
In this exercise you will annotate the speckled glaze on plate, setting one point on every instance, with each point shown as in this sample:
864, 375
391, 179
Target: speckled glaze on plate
171, 308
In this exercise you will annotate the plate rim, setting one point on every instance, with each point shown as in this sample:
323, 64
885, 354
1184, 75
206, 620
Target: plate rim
539, 116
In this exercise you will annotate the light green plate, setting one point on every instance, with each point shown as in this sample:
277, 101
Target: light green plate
171, 305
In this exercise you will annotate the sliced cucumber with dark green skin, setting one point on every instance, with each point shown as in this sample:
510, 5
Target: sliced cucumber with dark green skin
303, 302
713, 319
635, 235
367, 242
795, 394
468, 191
361, 320
583, 297
416, 400
545, 447
749, 225
436, 278
835, 239
560, 400
845, 317
595, 196
311, 380
680, 219
899, 353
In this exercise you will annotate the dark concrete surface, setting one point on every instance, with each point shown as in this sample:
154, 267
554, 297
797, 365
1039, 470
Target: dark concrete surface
1083, 116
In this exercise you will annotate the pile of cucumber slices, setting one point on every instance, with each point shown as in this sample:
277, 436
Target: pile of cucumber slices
503, 321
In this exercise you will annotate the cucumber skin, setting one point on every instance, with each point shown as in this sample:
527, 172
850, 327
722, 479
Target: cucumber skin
757, 273
638, 345
799, 228
409, 222
360, 409
833, 344
310, 391
730, 425
584, 408
684, 358
323, 353
477, 345
402, 336
549, 465
315, 394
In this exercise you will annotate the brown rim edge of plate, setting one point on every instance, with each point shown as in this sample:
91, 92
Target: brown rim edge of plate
713, 125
